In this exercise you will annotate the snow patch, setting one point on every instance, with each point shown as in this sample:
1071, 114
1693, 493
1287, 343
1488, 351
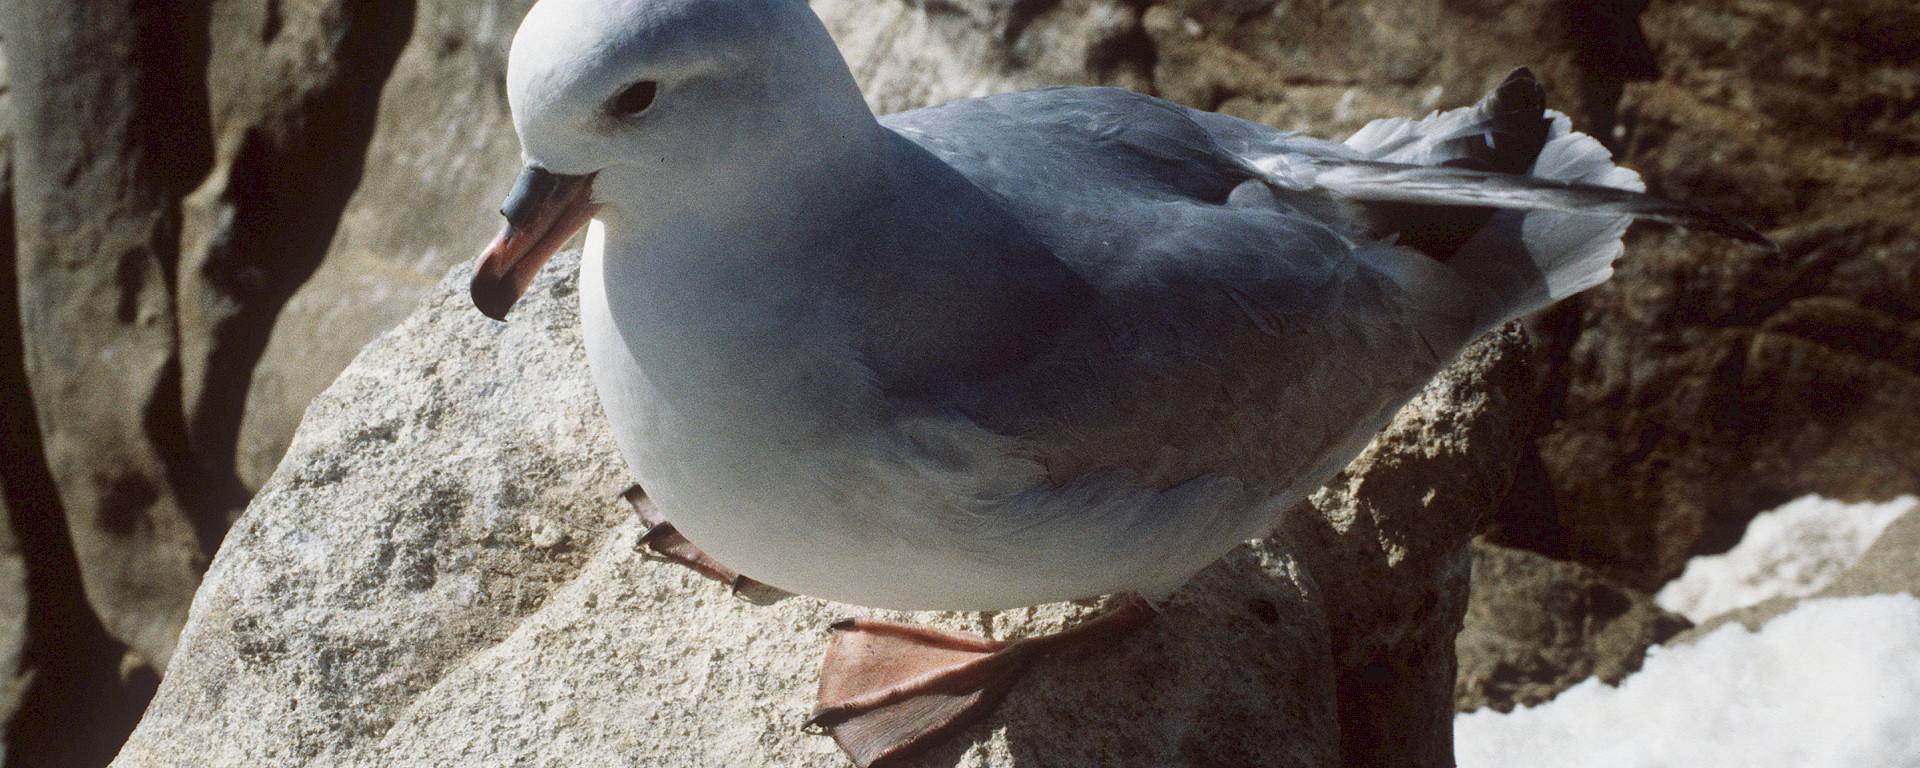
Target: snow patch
1835, 682
1794, 550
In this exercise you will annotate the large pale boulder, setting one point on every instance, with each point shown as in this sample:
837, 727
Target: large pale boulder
441, 573
216, 205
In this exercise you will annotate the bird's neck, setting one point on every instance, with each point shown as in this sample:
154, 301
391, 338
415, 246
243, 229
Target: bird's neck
719, 291
761, 205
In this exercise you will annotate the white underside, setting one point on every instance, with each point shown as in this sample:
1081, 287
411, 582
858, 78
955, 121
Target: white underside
779, 466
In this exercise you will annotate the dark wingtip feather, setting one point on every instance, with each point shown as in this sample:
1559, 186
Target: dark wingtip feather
1695, 217
1520, 125
1720, 223
1514, 114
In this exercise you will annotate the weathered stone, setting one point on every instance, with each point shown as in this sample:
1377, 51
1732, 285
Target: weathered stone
16, 434
1711, 381
441, 569
106, 137
1537, 626
293, 86
1387, 543
1325, 69
438, 152
67, 693
138, 325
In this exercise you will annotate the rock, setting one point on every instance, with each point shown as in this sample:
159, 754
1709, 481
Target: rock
1794, 550
1387, 542
95, 180
1708, 381
438, 152
15, 434
291, 92
146, 304
1327, 70
1537, 626
1890, 566
397, 595
67, 693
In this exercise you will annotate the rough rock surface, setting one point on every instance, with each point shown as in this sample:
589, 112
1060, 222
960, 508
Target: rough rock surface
1705, 383
94, 180
1709, 382
441, 573
439, 153
176, 172
1387, 542
1536, 626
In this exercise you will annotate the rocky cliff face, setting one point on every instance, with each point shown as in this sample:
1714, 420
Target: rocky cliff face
179, 174
1705, 383
210, 207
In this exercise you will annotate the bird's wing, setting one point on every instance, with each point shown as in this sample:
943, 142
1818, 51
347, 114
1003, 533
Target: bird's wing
1216, 324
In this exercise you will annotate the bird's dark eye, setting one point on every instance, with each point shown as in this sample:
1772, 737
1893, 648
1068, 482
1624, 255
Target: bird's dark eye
635, 98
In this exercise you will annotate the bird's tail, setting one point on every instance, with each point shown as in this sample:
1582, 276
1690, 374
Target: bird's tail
1505, 193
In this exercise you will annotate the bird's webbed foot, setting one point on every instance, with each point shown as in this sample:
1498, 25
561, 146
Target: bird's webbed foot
889, 691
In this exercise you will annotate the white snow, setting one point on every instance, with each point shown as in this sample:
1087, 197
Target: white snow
1835, 682
1793, 550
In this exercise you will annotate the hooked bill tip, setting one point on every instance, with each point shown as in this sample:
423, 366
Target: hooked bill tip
493, 296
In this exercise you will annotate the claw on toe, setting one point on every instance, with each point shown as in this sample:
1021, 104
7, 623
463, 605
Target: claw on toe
666, 543
820, 721
758, 593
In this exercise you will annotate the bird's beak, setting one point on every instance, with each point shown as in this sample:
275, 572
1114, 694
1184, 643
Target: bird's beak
543, 211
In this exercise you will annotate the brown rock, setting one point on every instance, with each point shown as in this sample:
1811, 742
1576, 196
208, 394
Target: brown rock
294, 86
138, 325
66, 693
1775, 375
1709, 382
1537, 626
1387, 542
107, 137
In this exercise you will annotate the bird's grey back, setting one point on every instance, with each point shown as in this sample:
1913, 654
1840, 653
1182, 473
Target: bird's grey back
1215, 325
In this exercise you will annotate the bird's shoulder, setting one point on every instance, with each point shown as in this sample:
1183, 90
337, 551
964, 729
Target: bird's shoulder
1105, 139
1130, 192
1206, 311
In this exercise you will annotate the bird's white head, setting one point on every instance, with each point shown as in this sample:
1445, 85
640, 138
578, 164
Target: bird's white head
643, 111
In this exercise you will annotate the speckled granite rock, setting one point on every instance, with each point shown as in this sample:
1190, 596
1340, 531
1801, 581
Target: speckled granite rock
441, 573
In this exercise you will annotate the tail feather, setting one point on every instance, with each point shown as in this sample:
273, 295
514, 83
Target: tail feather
1427, 185
1504, 133
1506, 194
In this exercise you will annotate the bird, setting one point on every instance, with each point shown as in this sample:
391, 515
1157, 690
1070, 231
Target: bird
1009, 350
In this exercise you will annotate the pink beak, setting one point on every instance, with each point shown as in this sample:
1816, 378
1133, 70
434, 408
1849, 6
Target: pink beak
543, 211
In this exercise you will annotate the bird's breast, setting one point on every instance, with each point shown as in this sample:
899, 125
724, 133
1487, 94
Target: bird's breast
750, 421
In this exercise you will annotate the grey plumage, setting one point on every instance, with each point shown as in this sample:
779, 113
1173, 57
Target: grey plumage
1026, 347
